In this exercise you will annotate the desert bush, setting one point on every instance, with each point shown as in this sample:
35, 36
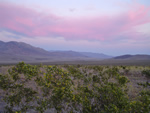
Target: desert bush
146, 73
28, 87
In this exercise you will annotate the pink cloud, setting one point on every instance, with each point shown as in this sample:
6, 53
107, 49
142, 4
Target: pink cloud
32, 23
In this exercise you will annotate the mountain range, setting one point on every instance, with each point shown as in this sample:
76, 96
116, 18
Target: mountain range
19, 51
133, 57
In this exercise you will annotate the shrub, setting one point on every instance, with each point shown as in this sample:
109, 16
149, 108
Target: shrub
28, 87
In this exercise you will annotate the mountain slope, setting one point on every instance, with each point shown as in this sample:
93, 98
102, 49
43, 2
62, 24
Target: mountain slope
20, 48
68, 54
85, 54
133, 57
20, 51
96, 55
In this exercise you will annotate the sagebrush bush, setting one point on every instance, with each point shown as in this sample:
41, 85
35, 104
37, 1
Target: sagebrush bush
40, 88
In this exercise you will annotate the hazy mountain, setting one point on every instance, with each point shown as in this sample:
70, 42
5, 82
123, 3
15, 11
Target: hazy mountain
133, 57
96, 55
85, 54
20, 48
11, 52
68, 54
20, 51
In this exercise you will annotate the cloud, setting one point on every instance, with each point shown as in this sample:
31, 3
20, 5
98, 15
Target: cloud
25, 20
72, 9
31, 23
144, 29
60, 43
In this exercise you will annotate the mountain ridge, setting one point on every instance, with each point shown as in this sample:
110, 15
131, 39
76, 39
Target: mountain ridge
133, 57
20, 51
20, 48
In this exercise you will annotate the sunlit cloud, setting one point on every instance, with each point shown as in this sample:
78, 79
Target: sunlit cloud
31, 23
126, 29
60, 43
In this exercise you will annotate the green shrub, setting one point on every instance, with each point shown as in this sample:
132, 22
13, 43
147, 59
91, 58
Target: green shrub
40, 88
146, 72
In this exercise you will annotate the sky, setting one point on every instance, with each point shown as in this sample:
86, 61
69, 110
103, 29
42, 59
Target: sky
112, 27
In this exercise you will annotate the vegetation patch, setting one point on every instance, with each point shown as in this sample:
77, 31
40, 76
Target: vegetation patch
74, 88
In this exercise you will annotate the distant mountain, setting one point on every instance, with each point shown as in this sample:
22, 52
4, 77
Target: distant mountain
96, 55
68, 54
123, 57
84, 54
12, 52
133, 57
20, 48
20, 51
